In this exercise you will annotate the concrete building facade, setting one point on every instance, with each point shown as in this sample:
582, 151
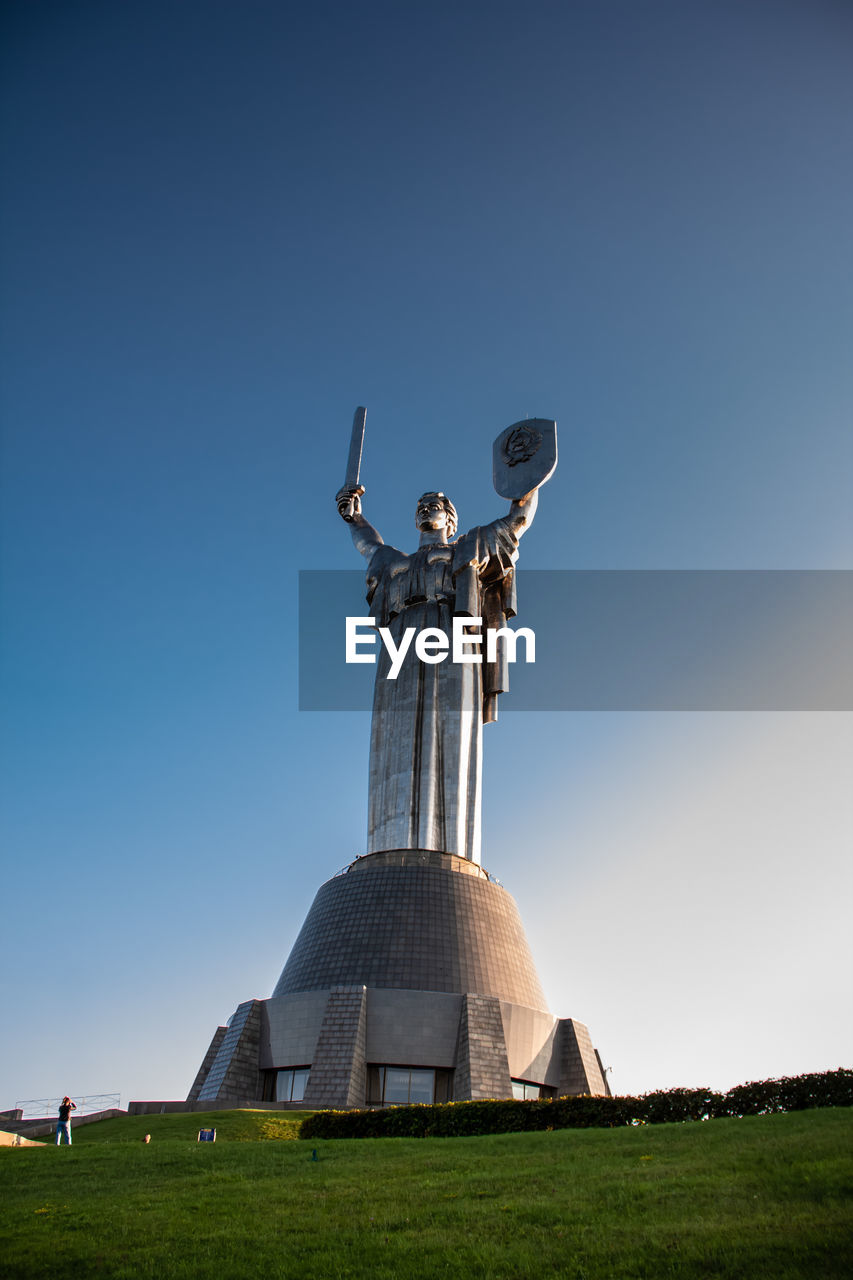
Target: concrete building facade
411, 980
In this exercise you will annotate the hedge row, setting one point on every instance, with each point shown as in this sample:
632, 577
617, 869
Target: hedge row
453, 1119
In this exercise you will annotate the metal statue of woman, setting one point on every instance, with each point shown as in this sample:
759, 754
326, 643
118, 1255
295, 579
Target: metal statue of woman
426, 734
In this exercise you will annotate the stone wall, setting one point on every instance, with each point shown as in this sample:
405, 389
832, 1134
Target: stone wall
338, 1076
209, 1058
580, 1068
234, 1072
482, 1068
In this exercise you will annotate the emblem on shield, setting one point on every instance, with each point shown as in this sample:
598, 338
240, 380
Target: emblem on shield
524, 456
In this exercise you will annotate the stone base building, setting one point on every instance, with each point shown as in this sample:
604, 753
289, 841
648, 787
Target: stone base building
410, 981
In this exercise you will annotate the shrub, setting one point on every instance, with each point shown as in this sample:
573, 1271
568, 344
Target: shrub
791, 1093
510, 1115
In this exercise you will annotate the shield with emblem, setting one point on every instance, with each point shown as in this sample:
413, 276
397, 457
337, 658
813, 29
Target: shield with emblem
524, 456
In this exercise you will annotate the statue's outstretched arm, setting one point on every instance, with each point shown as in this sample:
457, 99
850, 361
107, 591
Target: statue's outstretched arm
364, 536
522, 511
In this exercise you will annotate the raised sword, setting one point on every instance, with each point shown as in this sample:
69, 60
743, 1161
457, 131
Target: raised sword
355, 446
353, 461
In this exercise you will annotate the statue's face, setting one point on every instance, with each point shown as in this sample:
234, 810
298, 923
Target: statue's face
430, 513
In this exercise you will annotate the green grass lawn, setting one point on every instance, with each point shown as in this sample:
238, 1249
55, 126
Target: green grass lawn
230, 1126
765, 1196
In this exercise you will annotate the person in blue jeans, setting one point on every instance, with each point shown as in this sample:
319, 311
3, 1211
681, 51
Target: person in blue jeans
63, 1124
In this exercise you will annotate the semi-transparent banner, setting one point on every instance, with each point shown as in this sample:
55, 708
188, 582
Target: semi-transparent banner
621, 640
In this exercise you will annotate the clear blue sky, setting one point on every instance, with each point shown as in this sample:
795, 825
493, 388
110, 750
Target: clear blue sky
228, 224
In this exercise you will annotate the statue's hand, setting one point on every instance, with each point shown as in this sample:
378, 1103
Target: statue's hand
348, 500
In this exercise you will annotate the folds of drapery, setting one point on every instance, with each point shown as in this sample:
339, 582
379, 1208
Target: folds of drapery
426, 732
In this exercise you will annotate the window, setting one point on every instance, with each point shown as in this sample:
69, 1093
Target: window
397, 1086
526, 1089
290, 1084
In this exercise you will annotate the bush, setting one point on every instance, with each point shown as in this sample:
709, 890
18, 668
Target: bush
791, 1093
457, 1119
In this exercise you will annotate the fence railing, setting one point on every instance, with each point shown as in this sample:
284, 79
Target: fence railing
33, 1108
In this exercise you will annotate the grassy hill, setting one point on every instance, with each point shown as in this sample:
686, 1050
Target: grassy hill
230, 1126
763, 1196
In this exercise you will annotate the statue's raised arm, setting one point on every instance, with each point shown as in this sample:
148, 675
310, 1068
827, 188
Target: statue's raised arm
524, 456
522, 511
365, 538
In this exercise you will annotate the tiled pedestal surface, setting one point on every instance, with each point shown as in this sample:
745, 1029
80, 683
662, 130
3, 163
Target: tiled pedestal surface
410, 958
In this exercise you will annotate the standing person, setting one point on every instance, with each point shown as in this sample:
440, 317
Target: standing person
63, 1124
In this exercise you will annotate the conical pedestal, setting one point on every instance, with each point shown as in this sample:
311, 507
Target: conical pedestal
417, 921
411, 980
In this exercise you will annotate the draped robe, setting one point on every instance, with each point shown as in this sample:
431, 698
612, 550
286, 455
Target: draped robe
426, 733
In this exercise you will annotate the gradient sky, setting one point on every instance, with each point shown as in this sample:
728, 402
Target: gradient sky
226, 225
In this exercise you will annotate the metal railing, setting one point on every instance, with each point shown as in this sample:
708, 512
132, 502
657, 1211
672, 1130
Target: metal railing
33, 1108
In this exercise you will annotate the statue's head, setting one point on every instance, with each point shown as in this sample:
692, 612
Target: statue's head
436, 511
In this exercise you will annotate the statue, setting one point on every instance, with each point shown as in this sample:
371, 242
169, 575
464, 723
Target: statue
425, 780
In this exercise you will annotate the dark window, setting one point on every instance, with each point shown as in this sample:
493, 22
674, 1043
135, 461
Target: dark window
396, 1086
443, 1085
290, 1084
527, 1089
